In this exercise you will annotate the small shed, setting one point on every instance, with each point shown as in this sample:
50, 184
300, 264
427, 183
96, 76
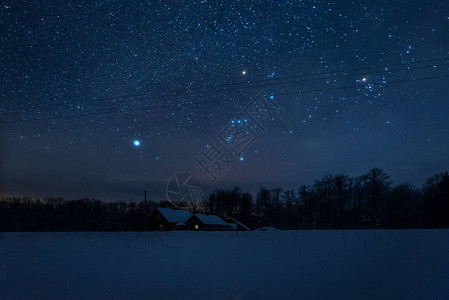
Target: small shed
207, 222
168, 219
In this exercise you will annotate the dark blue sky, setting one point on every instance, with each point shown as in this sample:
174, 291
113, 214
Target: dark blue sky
361, 84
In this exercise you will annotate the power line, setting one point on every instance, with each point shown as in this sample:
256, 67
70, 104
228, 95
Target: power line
359, 86
178, 105
269, 84
372, 68
250, 84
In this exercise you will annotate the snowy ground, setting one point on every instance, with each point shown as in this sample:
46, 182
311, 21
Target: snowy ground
390, 264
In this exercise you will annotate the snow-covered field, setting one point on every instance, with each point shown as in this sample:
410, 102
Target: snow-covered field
351, 264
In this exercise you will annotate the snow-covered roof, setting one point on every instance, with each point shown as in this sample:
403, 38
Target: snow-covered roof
233, 225
211, 219
237, 222
175, 215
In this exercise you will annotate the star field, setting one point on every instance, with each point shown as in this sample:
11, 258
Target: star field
108, 98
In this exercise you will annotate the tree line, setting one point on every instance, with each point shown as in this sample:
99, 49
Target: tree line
339, 202
49, 214
331, 202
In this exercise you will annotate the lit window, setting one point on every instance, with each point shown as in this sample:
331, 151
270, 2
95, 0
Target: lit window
196, 226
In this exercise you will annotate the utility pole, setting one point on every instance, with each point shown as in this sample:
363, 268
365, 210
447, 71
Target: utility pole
145, 210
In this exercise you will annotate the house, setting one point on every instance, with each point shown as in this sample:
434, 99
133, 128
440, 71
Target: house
206, 222
168, 219
236, 225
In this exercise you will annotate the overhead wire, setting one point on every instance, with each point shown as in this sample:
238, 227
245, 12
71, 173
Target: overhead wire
146, 109
248, 84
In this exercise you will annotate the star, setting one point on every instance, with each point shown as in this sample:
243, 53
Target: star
244, 72
136, 143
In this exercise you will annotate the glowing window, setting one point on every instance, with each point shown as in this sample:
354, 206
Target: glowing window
196, 226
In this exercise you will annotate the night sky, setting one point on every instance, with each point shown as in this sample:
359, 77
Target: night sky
106, 99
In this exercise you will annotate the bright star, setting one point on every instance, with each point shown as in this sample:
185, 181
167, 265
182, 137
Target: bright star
243, 72
136, 143
364, 79
242, 159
